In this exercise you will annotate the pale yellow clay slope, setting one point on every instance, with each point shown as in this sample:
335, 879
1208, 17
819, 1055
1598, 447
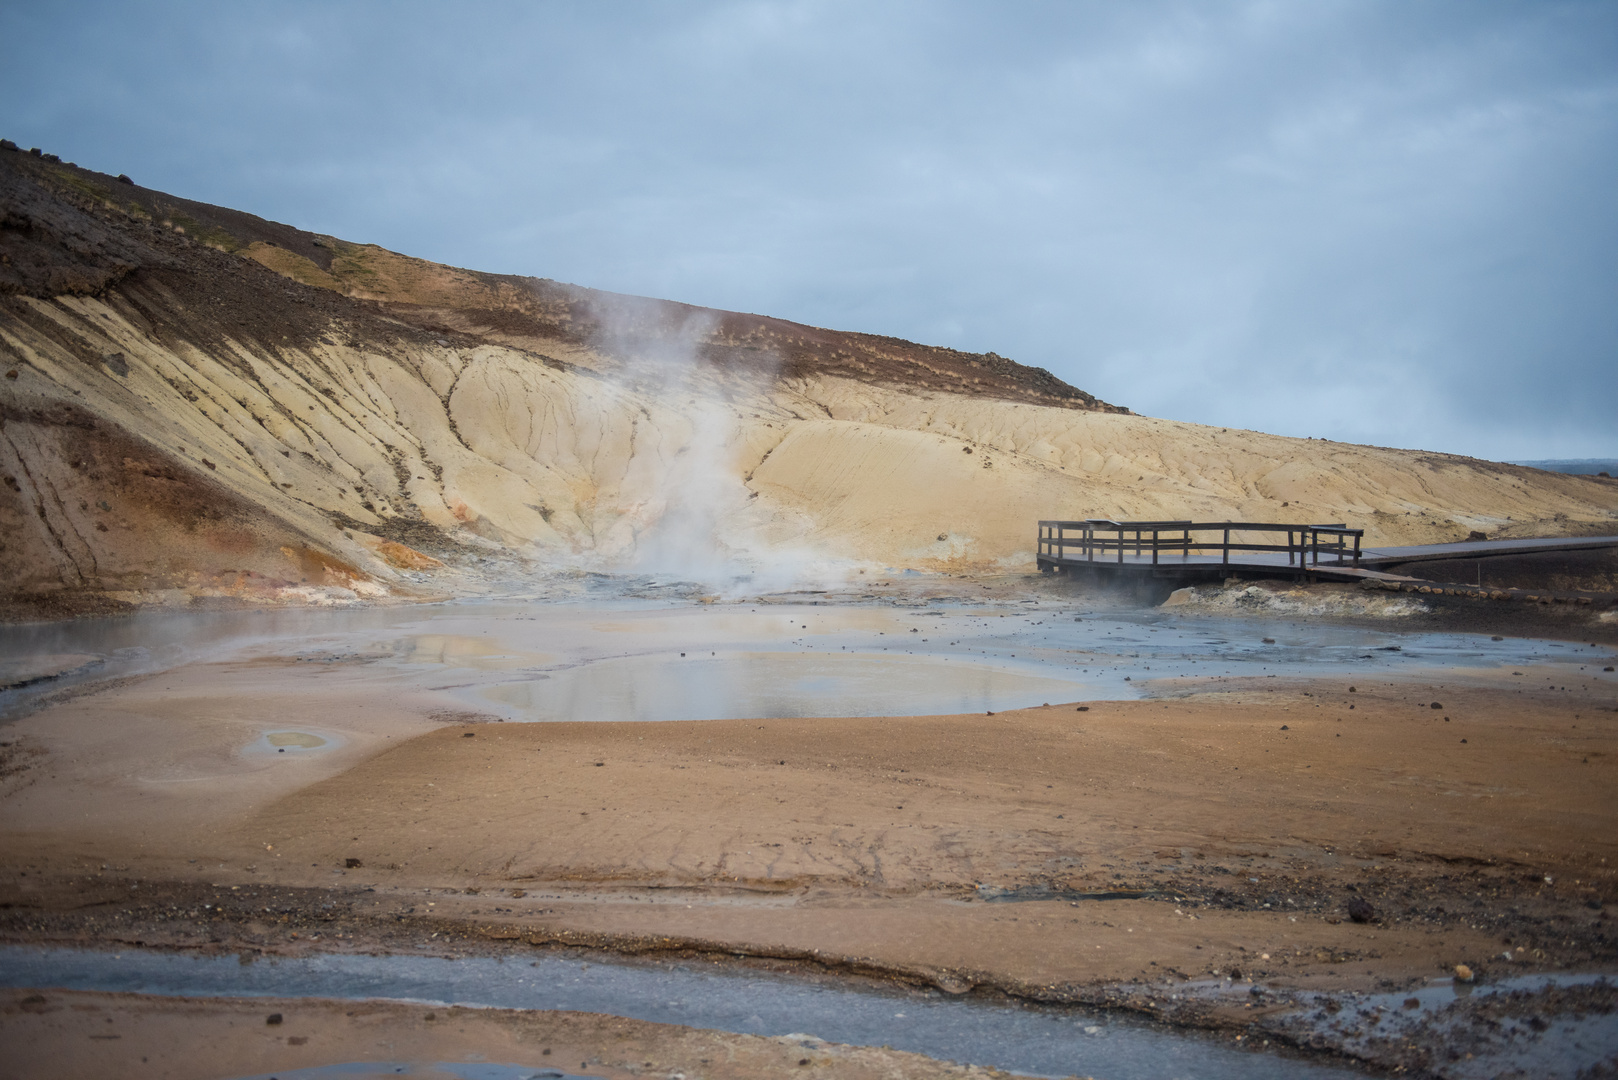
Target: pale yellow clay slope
565, 465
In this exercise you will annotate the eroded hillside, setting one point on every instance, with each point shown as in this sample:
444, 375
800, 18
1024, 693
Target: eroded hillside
197, 402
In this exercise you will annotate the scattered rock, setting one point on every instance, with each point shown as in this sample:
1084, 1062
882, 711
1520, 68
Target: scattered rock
352, 863
273, 1019
1284, 727
943, 536
1082, 708
1463, 973
1269, 641
123, 178
1360, 910
1476, 537
1437, 705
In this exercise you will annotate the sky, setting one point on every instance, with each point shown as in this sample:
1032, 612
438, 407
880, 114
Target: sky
1379, 221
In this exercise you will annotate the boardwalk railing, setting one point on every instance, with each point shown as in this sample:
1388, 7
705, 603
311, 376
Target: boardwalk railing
1104, 540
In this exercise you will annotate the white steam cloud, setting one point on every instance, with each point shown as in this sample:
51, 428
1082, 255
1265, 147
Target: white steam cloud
695, 518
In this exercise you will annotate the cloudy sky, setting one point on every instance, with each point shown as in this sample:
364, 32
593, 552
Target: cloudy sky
1386, 222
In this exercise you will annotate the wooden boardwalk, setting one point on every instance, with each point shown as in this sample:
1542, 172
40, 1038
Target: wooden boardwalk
1201, 551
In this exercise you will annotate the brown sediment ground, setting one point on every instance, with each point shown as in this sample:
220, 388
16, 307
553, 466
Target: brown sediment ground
1050, 852
74, 1035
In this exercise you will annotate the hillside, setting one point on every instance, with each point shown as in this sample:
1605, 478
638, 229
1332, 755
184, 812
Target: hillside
197, 402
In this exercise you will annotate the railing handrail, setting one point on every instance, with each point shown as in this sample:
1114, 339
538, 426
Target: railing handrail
1303, 541
1205, 526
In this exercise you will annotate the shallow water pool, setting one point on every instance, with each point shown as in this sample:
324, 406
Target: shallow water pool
741, 685
1046, 1042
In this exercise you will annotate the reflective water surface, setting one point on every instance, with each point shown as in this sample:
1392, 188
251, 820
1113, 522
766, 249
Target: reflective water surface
628, 657
1047, 1042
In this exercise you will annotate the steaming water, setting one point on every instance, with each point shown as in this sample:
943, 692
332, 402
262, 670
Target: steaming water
1051, 1042
619, 657
739, 685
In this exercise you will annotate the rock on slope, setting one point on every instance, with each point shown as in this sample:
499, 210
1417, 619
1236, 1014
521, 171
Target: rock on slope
197, 402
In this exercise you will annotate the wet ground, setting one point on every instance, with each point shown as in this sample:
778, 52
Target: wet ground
263, 695
1006, 1035
639, 651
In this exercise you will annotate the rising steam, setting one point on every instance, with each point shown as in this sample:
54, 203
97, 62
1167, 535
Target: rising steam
695, 518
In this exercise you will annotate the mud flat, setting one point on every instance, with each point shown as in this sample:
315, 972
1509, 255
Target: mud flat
78, 1034
1221, 821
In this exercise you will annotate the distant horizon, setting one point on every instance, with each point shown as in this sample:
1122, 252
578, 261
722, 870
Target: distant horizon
1593, 464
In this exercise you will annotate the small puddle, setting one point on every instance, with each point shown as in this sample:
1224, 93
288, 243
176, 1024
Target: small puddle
293, 742
1028, 1039
283, 739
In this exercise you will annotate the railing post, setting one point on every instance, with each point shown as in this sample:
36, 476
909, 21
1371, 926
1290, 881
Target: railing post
1154, 547
1225, 560
1356, 551
1120, 545
1185, 535
1089, 551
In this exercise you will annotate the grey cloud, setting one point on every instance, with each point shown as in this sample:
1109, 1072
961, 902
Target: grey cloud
1371, 221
